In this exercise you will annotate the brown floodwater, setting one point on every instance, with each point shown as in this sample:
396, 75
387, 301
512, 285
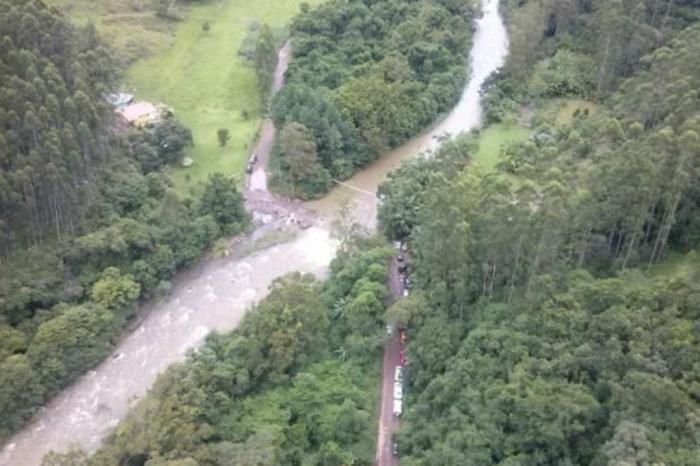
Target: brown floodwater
215, 294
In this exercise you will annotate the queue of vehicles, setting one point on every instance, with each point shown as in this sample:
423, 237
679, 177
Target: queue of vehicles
403, 269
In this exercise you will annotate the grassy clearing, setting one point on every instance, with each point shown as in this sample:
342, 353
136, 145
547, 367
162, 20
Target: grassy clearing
493, 138
133, 32
198, 73
561, 111
570, 106
208, 84
675, 263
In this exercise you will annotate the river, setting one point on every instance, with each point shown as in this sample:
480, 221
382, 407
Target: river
214, 295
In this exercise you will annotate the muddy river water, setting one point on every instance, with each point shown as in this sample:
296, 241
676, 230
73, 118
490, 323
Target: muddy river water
214, 295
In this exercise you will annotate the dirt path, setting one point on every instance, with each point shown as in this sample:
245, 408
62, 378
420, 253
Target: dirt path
257, 181
259, 200
388, 422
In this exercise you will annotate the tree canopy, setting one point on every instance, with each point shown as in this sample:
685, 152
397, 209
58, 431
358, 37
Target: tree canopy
366, 76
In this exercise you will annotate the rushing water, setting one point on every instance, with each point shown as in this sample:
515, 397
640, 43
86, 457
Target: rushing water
215, 294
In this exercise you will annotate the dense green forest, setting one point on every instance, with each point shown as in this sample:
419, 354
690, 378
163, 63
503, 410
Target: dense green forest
540, 337
89, 224
365, 77
295, 383
545, 324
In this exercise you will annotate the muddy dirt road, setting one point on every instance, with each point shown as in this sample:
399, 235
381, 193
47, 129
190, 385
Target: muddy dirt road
389, 423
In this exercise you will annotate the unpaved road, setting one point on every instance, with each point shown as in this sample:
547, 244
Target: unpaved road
257, 181
388, 423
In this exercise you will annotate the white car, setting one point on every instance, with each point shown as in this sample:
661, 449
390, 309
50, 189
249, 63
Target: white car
398, 374
405, 292
398, 391
397, 407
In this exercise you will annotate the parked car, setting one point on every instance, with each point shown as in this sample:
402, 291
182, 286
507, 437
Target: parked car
398, 374
404, 247
398, 391
400, 258
254, 158
398, 407
249, 168
403, 267
395, 448
405, 293
408, 283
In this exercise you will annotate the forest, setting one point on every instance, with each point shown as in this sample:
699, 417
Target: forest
546, 336
553, 317
365, 77
89, 223
293, 384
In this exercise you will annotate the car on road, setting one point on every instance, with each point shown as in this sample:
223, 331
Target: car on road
400, 257
403, 267
398, 391
398, 374
389, 329
254, 158
404, 247
405, 293
398, 407
249, 168
395, 448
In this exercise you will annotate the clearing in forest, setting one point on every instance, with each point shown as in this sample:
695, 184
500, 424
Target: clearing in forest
195, 70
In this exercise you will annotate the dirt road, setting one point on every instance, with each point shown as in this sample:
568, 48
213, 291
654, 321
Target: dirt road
257, 181
388, 423
259, 199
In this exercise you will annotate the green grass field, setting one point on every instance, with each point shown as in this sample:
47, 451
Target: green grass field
208, 84
493, 138
569, 106
132, 32
198, 73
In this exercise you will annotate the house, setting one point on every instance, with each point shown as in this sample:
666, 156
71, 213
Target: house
140, 114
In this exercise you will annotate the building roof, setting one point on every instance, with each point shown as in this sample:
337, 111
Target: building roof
138, 110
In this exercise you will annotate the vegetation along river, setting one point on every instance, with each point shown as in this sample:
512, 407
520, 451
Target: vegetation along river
214, 295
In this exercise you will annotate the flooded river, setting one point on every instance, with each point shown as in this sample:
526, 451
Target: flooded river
214, 295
